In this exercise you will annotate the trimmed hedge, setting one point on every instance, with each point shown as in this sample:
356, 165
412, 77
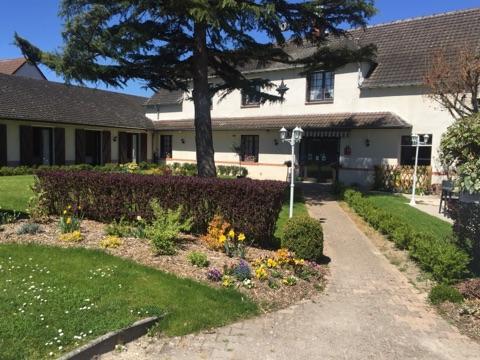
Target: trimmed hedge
185, 169
251, 206
440, 257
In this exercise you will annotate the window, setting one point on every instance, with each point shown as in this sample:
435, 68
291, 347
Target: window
408, 151
320, 86
249, 148
93, 147
42, 146
166, 146
251, 100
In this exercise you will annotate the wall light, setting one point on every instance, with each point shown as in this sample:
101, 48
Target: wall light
114, 139
367, 142
182, 140
275, 141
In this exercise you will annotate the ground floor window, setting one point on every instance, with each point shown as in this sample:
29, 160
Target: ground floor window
166, 146
42, 146
408, 150
93, 147
249, 148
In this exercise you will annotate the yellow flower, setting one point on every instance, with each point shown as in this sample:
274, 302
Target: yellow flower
64, 212
79, 207
231, 233
69, 220
271, 263
241, 237
222, 239
261, 273
69, 207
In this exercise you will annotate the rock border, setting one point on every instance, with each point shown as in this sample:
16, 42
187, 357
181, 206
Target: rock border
109, 341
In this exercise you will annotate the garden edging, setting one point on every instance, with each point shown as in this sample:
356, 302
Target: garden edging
109, 341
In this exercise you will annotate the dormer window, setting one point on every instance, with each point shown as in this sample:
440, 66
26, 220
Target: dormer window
251, 100
320, 86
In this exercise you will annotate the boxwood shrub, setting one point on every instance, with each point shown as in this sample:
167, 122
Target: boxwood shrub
442, 293
304, 236
438, 256
251, 206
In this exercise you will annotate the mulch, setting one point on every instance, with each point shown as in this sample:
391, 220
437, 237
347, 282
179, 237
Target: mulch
139, 250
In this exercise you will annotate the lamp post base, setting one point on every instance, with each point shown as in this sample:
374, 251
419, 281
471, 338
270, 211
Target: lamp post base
413, 202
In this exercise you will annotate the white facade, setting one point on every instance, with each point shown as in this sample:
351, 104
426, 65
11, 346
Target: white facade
410, 103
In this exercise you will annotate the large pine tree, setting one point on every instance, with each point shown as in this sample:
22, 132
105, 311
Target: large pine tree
179, 44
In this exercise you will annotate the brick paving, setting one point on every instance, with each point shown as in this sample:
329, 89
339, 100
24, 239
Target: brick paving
368, 311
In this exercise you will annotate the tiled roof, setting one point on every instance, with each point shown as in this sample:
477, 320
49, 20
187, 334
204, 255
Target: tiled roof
165, 97
10, 66
370, 120
37, 100
405, 48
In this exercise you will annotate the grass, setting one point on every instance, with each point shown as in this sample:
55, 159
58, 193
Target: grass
15, 192
54, 299
398, 205
299, 209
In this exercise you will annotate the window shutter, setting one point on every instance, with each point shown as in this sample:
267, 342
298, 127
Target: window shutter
256, 146
106, 147
26, 145
143, 147
59, 136
122, 148
3, 145
79, 146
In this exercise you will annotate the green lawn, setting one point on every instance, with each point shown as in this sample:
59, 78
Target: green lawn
299, 209
398, 206
15, 192
53, 299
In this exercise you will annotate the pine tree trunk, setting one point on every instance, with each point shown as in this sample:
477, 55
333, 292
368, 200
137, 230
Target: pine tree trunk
201, 100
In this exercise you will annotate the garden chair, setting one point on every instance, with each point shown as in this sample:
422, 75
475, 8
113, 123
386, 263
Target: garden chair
447, 192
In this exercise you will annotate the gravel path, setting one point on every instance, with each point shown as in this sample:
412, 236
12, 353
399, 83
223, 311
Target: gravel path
369, 311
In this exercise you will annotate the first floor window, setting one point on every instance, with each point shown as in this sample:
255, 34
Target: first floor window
320, 86
408, 150
249, 148
252, 99
165, 146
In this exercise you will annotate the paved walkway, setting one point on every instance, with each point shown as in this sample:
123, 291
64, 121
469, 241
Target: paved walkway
430, 204
369, 311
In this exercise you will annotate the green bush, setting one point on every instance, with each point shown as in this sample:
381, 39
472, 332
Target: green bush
438, 256
442, 293
165, 229
120, 228
304, 236
198, 259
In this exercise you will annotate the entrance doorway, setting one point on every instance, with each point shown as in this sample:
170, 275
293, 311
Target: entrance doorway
93, 147
319, 158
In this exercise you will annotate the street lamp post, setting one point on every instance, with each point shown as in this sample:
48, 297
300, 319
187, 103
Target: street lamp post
296, 137
416, 141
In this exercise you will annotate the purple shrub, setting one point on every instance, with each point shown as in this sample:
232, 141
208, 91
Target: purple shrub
251, 206
214, 274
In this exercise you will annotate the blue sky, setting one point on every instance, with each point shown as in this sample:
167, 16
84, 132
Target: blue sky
37, 21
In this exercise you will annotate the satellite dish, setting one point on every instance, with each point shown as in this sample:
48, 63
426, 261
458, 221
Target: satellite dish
284, 26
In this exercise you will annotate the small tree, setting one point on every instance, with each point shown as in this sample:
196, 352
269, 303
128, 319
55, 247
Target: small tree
453, 80
179, 44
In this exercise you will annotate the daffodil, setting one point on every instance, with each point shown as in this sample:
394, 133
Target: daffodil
139, 218
69, 220
222, 239
64, 212
231, 233
241, 237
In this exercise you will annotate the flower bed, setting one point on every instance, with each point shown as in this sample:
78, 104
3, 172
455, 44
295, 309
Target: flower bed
277, 278
252, 206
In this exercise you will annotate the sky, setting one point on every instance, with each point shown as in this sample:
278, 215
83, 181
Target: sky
37, 21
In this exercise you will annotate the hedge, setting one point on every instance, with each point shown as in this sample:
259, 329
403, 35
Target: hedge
251, 206
185, 169
438, 256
